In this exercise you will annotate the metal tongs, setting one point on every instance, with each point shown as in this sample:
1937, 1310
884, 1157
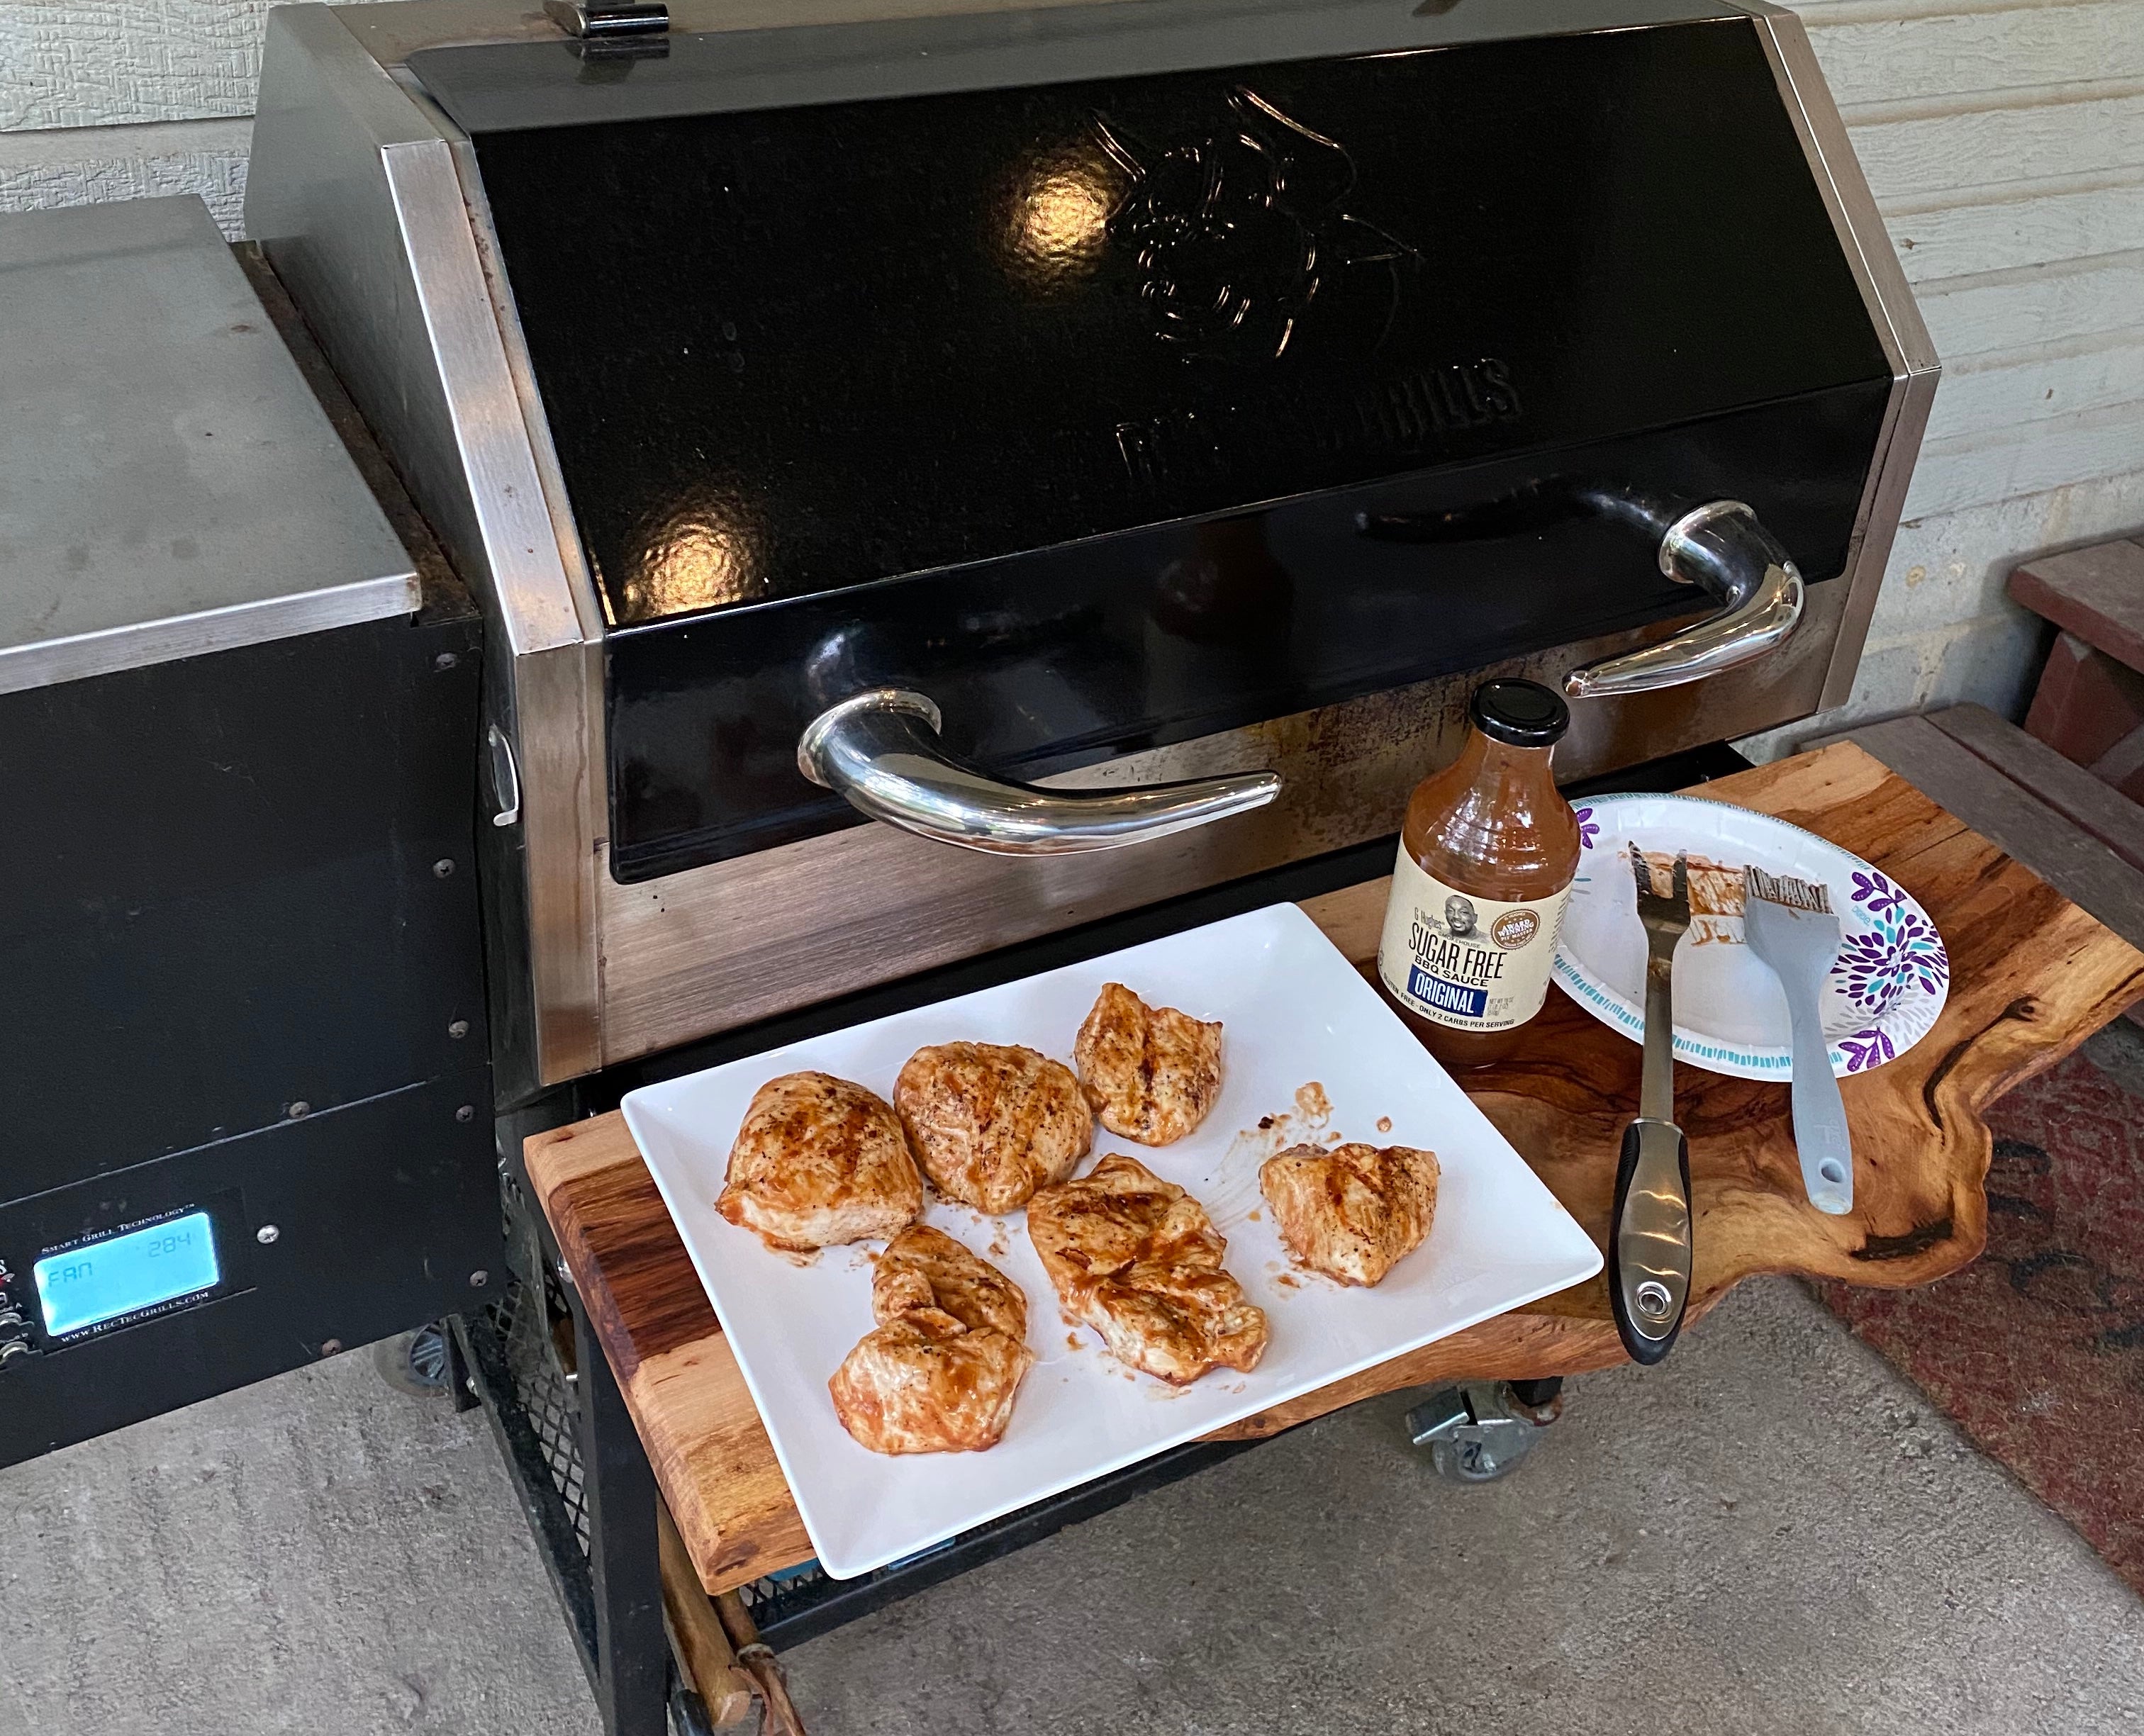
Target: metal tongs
1649, 1241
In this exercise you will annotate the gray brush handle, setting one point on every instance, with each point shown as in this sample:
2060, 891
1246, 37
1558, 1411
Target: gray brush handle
1820, 1135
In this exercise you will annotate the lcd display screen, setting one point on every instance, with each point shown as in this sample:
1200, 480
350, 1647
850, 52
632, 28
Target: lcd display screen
102, 1281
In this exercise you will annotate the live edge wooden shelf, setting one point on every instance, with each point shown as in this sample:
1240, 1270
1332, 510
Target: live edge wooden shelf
2032, 976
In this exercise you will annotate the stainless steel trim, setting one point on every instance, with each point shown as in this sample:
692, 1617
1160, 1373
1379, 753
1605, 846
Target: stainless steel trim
1915, 368
392, 34
559, 710
355, 195
1723, 548
895, 52
555, 697
46, 662
693, 954
880, 750
580, 581
529, 584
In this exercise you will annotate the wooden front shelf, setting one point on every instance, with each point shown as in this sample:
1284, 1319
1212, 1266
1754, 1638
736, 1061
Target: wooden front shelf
2032, 976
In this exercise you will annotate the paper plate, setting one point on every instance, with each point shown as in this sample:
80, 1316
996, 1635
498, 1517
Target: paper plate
1889, 983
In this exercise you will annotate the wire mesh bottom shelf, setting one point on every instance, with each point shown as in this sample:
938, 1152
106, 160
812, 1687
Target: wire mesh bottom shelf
535, 1340
528, 1327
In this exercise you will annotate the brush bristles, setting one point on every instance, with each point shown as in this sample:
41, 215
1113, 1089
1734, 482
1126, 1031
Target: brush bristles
1797, 894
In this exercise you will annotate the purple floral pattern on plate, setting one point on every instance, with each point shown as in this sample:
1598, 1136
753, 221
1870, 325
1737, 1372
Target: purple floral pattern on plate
1876, 892
1589, 828
1868, 1048
1900, 951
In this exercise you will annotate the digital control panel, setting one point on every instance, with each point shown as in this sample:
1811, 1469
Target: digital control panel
103, 1281
60, 1289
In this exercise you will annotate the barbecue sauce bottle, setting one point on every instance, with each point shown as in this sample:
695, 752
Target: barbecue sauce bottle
1488, 853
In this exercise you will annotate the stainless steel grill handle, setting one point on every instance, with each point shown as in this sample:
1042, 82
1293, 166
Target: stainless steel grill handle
1723, 549
880, 750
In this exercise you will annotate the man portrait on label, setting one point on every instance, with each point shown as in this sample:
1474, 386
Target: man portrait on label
1460, 921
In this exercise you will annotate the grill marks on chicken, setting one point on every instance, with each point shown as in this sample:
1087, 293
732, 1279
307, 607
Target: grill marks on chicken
1152, 1074
1351, 1212
819, 1161
938, 1373
1137, 1258
927, 1268
990, 1123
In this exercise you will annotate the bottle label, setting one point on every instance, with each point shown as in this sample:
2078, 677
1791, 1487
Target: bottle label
1469, 963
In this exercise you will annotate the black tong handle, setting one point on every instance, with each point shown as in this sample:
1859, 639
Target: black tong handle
1649, 1239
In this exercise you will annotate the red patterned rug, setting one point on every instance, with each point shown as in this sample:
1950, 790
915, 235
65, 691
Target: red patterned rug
2038, 1348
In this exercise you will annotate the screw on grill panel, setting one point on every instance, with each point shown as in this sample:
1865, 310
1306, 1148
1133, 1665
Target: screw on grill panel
331, 1346
467, 1112
444, 867
445, 661
479, 1279
299, 1110
458, 1029
266, 1235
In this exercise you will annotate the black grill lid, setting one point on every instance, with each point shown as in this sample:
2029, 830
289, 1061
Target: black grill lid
790, 349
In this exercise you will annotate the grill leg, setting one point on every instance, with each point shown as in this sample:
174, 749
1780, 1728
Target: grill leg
633, 1655
461, 1376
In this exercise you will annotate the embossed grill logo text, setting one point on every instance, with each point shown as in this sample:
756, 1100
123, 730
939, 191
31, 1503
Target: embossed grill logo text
1410, 414
1244, 247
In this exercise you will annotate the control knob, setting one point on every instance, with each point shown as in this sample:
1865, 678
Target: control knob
13, 1348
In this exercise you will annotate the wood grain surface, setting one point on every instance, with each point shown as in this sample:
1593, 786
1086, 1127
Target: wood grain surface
2032, 976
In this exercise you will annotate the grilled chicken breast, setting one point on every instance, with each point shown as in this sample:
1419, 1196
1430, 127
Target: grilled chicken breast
1136, 1259
938, 1373
818, 1161
1353, 1211
1152, 1074
989, 1123
927, 1268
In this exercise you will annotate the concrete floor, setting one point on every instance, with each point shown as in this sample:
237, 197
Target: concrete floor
1771, 1533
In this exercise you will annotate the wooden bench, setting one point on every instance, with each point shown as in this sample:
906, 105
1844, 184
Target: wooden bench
2089, 706
2032, 974
2083, 839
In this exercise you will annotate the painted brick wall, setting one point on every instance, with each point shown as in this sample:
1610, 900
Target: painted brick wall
2004, 140
2005, 144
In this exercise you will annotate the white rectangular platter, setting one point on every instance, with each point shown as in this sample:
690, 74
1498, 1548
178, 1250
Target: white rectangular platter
1308, 1047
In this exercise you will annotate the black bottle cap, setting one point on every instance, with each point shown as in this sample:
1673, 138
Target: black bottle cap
1522, 712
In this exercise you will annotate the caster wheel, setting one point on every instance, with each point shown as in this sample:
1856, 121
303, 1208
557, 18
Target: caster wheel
1483, 1431
415, 1362
1473, 1462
